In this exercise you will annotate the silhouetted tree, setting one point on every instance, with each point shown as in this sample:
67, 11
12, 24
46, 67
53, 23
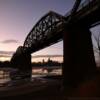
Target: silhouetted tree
5, 64
0, 64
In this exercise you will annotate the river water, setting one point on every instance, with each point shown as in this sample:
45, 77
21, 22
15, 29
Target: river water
36, 73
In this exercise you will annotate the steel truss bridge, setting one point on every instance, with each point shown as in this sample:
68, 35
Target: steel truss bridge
51, 28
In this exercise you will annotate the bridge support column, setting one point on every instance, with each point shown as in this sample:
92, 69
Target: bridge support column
22, 62
25, 65
79, 62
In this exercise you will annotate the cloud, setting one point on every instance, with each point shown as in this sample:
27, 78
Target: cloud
6, 53
10, 41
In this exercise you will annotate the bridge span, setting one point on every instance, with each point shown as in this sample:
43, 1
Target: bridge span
73, 29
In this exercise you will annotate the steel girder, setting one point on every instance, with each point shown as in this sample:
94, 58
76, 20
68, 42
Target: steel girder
48, 26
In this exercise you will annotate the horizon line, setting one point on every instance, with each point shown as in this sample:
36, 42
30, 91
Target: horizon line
36, 56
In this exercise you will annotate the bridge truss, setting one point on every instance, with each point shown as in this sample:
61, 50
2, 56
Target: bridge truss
48, 27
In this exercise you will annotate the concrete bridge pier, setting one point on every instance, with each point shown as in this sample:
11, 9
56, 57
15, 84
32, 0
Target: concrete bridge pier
25, 65
22, 61
79, 62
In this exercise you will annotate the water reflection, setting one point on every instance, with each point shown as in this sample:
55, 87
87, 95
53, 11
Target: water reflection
5, 78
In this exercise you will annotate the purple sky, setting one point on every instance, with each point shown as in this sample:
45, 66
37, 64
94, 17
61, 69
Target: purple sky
17, 17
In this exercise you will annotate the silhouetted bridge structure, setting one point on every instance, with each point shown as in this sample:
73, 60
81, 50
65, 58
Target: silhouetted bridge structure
73, 29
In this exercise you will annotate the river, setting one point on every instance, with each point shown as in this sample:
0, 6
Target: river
36, 73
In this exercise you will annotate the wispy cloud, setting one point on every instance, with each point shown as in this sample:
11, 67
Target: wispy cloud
6, 53
9, 41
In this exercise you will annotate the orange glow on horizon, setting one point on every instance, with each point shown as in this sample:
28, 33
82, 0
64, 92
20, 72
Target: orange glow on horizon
5, 58
40, 59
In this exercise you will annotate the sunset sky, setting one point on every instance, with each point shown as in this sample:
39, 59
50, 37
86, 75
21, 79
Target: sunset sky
17, 18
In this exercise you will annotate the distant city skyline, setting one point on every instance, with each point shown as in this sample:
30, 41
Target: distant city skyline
36, 58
